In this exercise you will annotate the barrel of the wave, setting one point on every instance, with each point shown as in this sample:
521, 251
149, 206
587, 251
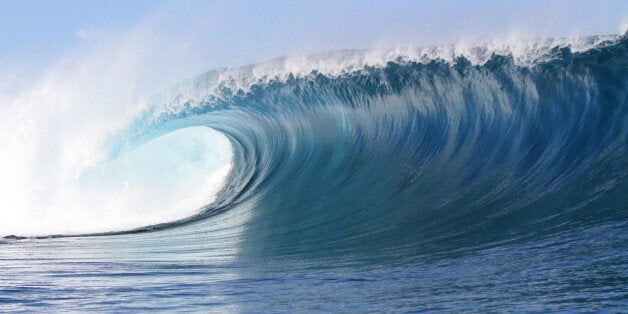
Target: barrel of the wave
174, 175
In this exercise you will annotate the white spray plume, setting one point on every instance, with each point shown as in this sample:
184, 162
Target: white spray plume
53, 129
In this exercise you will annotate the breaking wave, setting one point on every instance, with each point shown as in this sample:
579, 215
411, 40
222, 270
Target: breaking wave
399, 151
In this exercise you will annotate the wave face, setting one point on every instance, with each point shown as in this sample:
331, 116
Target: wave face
414, 157
411, 158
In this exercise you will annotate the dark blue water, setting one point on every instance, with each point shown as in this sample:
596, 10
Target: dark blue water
432, 185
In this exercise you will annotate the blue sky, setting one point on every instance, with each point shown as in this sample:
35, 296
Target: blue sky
239, 32
41, 28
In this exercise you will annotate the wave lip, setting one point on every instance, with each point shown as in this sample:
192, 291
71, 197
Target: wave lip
524, 52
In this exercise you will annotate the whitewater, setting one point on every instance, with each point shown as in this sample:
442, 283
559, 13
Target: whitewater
457, 177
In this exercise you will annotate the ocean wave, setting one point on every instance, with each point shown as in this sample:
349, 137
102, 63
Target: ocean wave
400, 151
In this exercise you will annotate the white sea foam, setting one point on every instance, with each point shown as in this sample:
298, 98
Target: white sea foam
54, 126
523, 50
166, 179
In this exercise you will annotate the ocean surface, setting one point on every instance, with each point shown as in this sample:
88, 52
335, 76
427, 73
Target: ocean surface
447, 178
